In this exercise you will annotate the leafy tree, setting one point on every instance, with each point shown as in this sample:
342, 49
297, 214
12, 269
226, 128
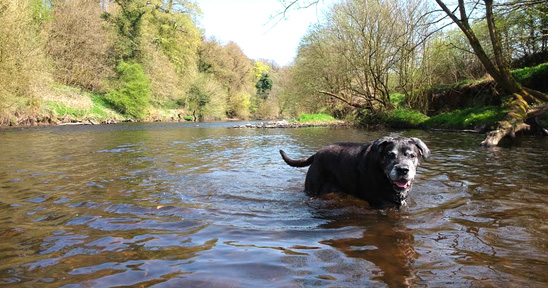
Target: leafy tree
132, 93
264, 85
128, 22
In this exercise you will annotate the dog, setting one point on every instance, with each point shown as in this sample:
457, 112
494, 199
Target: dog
381, 171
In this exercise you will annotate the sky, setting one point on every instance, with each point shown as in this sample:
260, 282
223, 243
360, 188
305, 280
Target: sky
246, 22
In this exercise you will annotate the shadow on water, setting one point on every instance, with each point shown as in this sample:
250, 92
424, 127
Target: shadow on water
180, 205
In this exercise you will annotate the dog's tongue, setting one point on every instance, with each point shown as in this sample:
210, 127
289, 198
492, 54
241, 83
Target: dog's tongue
403, 184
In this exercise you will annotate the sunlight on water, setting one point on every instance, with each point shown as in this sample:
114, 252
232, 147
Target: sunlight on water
210, 206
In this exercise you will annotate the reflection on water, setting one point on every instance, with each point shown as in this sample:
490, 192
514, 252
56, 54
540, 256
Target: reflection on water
180, 205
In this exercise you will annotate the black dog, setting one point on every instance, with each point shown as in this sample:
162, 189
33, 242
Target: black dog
381, 171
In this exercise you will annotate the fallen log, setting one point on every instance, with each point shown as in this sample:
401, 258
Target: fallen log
516, 121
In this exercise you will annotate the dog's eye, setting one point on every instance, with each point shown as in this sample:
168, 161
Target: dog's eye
391, 155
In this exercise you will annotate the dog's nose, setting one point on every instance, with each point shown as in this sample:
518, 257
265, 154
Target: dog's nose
403, 170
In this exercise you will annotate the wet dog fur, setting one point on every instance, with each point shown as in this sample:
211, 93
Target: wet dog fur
381, 171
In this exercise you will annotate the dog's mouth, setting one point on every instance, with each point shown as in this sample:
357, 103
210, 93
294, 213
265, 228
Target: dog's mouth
402, 184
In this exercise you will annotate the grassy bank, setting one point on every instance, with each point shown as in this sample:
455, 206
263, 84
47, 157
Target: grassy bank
466, 105
477, 119
64, 104
315, 118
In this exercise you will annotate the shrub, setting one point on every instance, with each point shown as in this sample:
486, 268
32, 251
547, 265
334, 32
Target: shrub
132, 92
397, 99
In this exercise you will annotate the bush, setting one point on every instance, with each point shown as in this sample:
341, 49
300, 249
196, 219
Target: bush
132, 92
397, 99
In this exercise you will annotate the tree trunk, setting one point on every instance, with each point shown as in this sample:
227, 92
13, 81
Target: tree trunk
520, 98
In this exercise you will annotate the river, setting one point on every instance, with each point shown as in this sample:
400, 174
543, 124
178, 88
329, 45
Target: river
186, 205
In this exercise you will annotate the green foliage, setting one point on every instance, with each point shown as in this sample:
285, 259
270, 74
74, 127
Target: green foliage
397, 99
524, 74
198, 98
128, 23
407, 118
41, 11
260, 69
396, 118
175, 34
533, 77
315, 118
264, 85
466, 118
132, 93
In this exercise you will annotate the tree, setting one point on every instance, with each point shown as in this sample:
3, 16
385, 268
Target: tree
498, 68
78, 44
360, 46
264, 85
23, 69
128, 23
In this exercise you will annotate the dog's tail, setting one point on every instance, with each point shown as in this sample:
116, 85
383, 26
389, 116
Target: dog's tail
297, 163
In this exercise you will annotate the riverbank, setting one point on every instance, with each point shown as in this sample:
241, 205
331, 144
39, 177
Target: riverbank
451, 109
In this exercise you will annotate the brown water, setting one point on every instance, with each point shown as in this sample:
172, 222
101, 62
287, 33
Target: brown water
173, 205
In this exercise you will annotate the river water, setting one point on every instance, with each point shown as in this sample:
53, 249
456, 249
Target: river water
186, 205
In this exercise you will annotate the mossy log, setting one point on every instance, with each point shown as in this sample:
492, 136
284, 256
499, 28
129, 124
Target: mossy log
515, 120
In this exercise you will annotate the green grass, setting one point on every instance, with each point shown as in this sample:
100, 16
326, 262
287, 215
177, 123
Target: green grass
466, 118
396, 118
100, 109
315, 118
402, 117
60, 109
459, 119
522, 75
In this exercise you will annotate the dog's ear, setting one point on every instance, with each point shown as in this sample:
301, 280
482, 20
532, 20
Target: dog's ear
425, 152
379, 144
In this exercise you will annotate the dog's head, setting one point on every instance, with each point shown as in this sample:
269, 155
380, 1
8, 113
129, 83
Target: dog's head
398, 158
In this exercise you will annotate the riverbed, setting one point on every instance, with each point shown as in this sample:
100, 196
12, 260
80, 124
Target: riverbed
206, 205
